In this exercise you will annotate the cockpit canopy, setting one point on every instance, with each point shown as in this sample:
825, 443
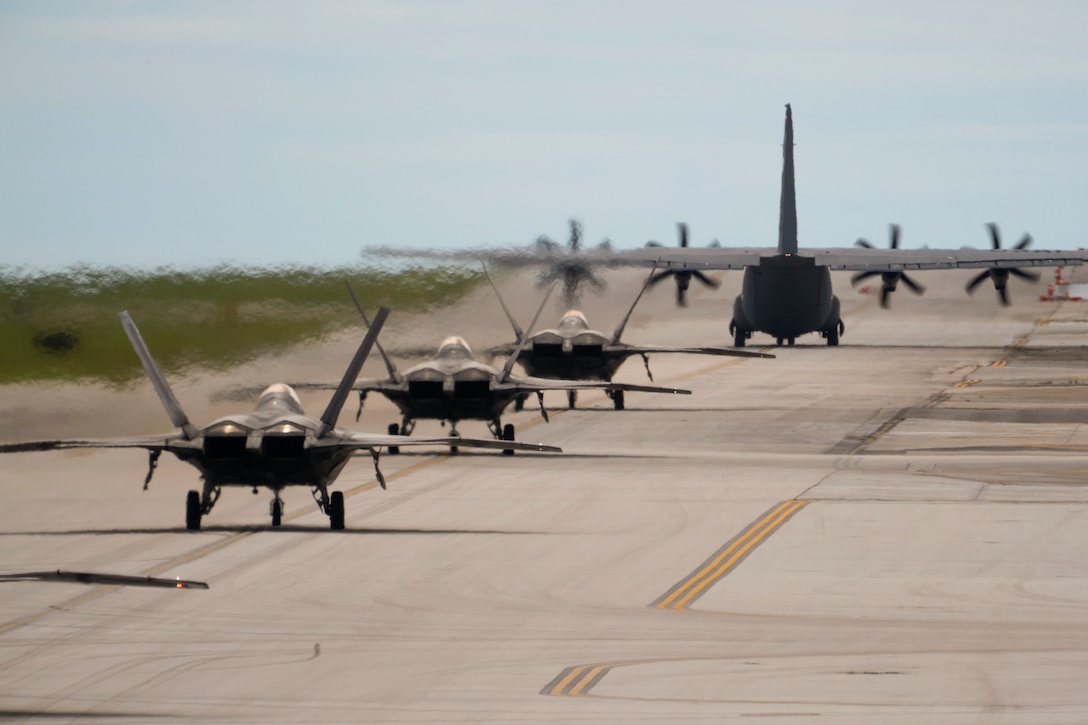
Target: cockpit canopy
281, 398
455, 348
573, 321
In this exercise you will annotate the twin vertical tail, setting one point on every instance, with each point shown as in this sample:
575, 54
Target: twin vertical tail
787, 215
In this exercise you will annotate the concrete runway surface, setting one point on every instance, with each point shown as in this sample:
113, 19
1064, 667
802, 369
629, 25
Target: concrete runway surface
891, 531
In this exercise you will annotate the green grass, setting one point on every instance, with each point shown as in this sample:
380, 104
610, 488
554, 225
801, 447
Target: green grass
63, 326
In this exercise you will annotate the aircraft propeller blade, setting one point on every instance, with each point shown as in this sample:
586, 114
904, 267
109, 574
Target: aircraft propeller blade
1000, 275
890, 279
683, 277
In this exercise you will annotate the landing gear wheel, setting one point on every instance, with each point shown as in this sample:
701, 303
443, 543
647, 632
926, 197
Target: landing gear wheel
617, 399
277, 512
336, 511
572, 398
739, 338
192, 511
519, 403
394, 429
790, 341
833, 336
778, 341
508, 435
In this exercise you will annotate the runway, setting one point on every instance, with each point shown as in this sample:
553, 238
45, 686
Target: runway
890, 531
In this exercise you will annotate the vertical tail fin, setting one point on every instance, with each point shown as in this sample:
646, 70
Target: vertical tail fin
519, 335
332, 412
525, 339
166, 395
787, 214
623, 322
388, 363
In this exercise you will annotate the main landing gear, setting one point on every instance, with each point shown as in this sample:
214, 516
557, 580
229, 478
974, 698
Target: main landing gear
197, 505
404, 429
617, 399
332, 506
503, 433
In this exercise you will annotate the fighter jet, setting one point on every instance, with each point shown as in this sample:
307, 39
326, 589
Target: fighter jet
572, 351
275, 446
454, 386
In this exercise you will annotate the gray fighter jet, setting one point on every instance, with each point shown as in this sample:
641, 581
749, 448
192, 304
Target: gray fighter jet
572, 351
275, 446
454, 386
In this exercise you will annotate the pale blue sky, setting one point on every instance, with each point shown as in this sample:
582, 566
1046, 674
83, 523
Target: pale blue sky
190, 133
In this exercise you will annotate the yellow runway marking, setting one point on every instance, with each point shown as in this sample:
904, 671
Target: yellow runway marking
576, 681
999, 363
728, 557
967, 383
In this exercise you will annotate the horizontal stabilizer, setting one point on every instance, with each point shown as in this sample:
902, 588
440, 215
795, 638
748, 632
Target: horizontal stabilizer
87, 577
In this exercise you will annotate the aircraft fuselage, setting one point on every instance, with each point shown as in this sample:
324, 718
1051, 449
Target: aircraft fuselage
785, 296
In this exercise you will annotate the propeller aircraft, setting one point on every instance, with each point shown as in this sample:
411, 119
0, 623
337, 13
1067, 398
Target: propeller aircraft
786, 291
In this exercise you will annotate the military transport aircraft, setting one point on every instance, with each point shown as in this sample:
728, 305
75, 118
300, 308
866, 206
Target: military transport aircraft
454, 386
571, 265
572, 351
275, 446
786, 290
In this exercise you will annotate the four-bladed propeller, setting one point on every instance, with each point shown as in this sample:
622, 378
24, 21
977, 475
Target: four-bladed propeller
889, 280
569, 266
1000, 275
683, 276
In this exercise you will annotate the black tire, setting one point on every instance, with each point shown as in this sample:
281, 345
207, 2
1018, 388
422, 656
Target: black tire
277, 513
617, 399
192, 511
336, 511
394, 429
790, 341
508, 435
572, 398
519, 403
833, 336
739, 338
778, 341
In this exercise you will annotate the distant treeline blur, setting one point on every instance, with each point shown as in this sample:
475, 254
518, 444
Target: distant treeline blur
62, 326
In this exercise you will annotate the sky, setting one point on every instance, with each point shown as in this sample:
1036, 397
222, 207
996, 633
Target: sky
265, 133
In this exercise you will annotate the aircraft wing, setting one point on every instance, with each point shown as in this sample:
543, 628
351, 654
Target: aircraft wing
90, 577
161, 442
532, 385
656, 349
857, 259
508, 256
376, 440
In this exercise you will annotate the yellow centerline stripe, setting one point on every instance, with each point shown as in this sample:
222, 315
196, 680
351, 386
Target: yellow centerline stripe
557, 689
722, 562
589, 677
